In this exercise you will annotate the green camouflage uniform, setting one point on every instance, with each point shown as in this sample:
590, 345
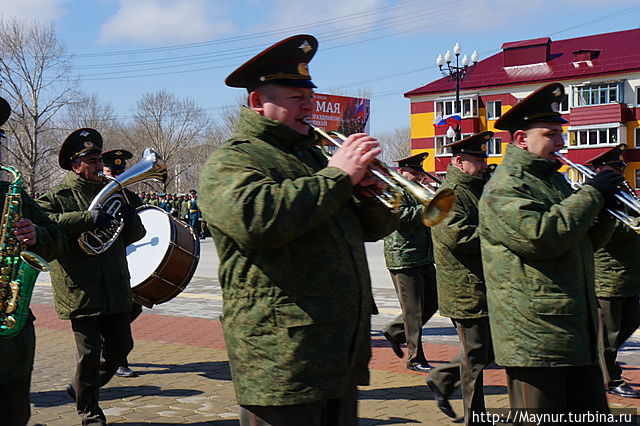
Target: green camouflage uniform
537, 243
456, 246
293, 268
17, 353
618, 287
408, 254
85, 285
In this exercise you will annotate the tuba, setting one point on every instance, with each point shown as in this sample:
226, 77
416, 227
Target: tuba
18, 269
112, 196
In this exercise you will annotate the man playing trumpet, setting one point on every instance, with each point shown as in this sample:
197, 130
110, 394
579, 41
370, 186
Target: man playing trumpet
289, 226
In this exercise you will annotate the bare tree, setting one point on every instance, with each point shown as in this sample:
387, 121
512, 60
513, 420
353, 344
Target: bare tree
395, 144
89, 111
35, 77
173, 127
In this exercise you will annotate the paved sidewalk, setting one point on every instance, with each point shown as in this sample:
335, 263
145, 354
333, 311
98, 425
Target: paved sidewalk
185, 378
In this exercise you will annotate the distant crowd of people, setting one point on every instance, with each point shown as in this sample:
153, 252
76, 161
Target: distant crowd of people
180, 206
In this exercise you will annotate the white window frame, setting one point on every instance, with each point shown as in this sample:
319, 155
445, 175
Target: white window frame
636, 91
443, 138
578, 133
592, 94
637, 175
492, 143
448, 107
493, 111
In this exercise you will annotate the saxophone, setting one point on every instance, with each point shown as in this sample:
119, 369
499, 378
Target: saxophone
18, 269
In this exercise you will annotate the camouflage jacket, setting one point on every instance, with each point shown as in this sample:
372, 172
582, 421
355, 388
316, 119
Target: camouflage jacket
16, 353
456, 246
618, 264
293, 269
85, 285
537, 242
410, 244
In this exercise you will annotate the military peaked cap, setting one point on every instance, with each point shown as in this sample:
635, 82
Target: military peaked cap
542, 105
80, 142
413, 161
5, 112
475, 144
116, 158
283, 63
611, 157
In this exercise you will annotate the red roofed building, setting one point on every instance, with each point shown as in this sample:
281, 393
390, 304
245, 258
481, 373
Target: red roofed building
601, 74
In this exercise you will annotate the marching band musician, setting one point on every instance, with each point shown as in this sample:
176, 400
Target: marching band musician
617, 285
42, 236
461, 288
409, 259
114, 163
97, 304
537, 243
289, 226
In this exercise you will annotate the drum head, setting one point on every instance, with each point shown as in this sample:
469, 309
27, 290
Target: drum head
146, 255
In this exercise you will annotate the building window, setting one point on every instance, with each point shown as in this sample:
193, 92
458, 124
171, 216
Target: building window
494, 110
440, 142
564, 104
469, 108
595, 136
597, 94
494, 147
637, 89
636, 140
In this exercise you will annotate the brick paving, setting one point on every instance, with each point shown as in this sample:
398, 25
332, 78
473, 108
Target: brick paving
185, 378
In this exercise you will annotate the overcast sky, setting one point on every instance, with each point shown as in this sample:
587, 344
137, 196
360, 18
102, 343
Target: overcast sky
126, 48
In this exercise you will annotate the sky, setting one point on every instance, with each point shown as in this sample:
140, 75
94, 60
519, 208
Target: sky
123, 49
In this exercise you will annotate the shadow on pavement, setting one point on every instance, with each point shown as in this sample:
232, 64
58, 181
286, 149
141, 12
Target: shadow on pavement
212, 422
215, 370
419, 393
389, 421
56, 398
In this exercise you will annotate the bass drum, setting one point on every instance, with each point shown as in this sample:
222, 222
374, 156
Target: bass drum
163, 262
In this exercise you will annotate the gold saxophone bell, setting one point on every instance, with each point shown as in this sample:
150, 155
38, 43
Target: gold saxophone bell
437, 204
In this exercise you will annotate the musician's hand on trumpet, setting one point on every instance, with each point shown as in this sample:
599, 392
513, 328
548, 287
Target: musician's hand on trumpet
354, 156
608, 182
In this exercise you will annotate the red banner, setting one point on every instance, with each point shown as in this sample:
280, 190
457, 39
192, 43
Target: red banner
341, 113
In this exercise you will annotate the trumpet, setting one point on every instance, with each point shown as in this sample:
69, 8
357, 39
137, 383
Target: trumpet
623, 196
436, 204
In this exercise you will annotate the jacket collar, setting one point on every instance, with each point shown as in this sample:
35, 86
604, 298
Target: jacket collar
272, 131
79, 183
455, 176
530, 162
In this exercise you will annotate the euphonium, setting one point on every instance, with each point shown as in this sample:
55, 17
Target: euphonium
18, 269
151, 166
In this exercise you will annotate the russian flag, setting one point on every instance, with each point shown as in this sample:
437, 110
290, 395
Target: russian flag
450, 120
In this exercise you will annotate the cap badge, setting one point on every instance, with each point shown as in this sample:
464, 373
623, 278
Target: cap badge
118, 161
557, 92
621, 158
305, 47
483, 147
84, 133
118, 153
88, 144
303, 69
555, 106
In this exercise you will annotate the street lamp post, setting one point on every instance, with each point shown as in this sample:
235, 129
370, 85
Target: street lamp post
457, 73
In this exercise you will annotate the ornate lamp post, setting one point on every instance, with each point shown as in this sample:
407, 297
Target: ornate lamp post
456, 73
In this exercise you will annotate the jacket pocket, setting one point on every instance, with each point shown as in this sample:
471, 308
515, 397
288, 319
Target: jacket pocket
304, 313
554, 305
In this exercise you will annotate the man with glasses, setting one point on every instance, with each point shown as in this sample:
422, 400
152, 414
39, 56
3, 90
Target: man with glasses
617, 285
92, 291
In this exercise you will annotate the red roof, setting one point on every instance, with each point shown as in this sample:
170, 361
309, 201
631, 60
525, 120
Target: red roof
617, 55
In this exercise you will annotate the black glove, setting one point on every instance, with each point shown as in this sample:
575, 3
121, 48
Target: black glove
607, 182
101, 218
127, 213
